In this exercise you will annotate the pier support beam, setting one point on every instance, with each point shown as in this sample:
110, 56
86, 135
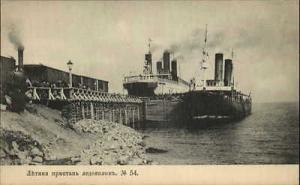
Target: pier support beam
129, 114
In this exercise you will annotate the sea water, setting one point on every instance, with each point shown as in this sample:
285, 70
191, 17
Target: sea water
270, 135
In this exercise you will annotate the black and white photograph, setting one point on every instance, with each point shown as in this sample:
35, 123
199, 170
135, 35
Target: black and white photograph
149, 83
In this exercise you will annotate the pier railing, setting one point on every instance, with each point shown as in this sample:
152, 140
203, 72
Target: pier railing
71, 94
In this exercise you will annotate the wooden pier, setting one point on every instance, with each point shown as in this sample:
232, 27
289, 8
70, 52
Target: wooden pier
77, 104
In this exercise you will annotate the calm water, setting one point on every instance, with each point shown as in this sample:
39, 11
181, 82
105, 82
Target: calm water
269, 136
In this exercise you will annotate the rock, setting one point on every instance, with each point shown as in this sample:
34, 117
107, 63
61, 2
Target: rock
109, 161
145, 161
96, 160
10, 152
136, 161
36, 152
155, 150
15, 145
142, 143
110, 146
75, 159
2, 154
37, 159
123, 160
22, 155
27, 160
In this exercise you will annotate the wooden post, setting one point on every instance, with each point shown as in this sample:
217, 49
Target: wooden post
133, 118
110, 115
120, 118
113, 115
82, 111
92, 111
138, 113
126, 116
98, 112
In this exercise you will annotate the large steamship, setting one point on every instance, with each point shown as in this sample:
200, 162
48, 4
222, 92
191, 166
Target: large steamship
165, 81
216, 98
160, 91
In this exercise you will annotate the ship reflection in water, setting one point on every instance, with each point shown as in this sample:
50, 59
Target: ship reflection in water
269, 136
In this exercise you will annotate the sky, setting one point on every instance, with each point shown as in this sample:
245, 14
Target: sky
108, 39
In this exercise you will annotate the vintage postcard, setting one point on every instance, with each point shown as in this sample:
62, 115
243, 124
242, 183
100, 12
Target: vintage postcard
149, 92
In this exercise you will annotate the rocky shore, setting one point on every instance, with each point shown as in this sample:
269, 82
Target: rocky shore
39, 136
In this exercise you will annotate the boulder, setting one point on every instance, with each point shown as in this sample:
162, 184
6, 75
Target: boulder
123, 160
96, 160
75, 159
2, 154
36, 152
26, 160
142, 143
37, 159
22, 155
15, 145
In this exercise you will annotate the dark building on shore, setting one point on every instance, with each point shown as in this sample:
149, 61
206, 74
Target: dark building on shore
7, 66
38, 74
41, 75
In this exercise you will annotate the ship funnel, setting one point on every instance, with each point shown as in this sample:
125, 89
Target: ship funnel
148, 58
219, 67
166, 59
228, 72
20, 58
174, 69
158, 67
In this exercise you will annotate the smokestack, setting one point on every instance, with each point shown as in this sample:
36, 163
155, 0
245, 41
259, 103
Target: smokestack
174, 69
20, 58
166, 59
148, 58
219, 67
158, 67
228, 72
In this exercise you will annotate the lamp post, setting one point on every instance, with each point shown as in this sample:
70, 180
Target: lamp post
70, 65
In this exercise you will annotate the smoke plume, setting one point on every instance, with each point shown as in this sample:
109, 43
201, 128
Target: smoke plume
223, 41
14, 36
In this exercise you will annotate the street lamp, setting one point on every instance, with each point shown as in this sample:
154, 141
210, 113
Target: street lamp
70, 65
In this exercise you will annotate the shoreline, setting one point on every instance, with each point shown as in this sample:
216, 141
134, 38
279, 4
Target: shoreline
40, 136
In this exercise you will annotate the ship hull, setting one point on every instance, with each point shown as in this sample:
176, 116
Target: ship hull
163, 109
142, 89
203, 105
198, 106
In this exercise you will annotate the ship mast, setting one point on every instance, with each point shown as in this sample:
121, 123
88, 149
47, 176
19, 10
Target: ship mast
204, 64
232, 55
149, 45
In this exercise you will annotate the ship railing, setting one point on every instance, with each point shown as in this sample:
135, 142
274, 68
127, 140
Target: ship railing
71, 94
139, 78
239, 97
